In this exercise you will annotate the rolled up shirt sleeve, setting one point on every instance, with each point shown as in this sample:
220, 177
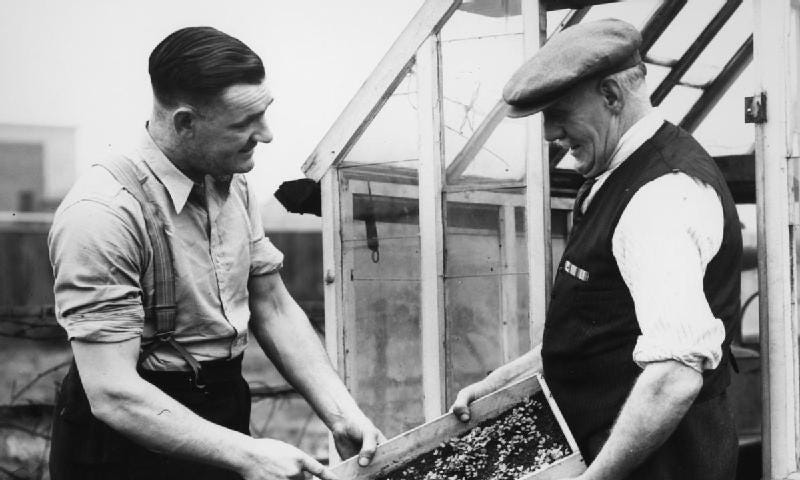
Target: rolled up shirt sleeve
666, 236
97, 253
264, 256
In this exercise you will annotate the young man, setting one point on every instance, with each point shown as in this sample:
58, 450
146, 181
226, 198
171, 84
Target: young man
157, 391
646, 298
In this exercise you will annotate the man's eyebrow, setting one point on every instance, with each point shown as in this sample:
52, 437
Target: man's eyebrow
554, 112
250, 118
253, 116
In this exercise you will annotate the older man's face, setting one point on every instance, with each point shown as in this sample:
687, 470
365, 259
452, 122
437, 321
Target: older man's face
582, 122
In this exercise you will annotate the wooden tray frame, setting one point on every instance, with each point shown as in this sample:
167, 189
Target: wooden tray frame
406, 446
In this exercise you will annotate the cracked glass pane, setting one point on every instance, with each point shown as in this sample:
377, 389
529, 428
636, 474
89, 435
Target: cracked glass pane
475, 68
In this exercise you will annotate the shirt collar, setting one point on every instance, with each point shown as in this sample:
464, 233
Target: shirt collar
177, 184
640, 132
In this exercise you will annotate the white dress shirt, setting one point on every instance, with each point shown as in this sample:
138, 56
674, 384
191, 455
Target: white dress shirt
667, 234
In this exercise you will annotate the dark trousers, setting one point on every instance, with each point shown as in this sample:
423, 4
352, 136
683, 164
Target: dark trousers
85, 448
704, 446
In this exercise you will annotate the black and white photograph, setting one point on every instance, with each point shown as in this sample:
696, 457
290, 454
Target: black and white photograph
400, 240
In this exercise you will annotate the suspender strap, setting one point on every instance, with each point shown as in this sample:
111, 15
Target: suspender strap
162, 310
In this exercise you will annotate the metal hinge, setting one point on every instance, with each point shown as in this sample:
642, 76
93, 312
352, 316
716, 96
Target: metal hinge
755, 108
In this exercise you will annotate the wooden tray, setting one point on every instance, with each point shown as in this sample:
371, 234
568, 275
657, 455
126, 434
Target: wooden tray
407, 446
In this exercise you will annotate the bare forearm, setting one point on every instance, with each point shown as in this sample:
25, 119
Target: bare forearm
516, 369
294, 347
134, 407
658, 401
145, 414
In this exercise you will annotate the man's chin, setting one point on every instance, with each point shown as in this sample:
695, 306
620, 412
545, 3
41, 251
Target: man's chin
584, 169
246, 162
247, 166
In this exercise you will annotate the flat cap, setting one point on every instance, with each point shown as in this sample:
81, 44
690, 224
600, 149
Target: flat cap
592, 49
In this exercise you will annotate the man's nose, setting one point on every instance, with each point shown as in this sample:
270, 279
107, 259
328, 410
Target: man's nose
262, 134
552, 132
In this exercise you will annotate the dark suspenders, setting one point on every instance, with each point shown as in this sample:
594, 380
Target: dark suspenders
162, 311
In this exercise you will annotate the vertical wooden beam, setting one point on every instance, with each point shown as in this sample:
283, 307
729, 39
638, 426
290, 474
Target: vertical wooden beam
774, 57
509, 329
346, 306
332, 267
332, 280
431, 155
537, 178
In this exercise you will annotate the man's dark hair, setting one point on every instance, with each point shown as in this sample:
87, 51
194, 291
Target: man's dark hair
197, 63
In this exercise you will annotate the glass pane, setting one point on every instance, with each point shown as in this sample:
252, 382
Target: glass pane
655, 75
474, 73
500, 158
486, 283
483, 18
380, 255
722, 47
388, 372
685, 28
723, 132
393, 135
678, 102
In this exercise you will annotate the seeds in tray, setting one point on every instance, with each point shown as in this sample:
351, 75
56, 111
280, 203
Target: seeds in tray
519, 441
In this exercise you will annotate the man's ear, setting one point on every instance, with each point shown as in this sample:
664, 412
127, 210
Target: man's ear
612, 94
184, 120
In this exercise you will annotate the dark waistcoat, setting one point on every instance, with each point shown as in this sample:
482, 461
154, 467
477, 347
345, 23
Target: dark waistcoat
591, 327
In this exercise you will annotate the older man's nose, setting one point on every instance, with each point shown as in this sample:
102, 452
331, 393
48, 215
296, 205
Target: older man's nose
552, 132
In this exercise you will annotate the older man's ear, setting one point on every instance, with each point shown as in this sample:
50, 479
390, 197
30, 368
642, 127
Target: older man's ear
613, 94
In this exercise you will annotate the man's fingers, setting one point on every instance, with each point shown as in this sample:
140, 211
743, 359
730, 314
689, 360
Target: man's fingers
461, 405
368, 446
317, 469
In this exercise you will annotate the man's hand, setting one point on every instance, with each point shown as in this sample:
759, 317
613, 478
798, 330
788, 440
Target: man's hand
504, 375
357, 436
466, 396
275, 460
286, 336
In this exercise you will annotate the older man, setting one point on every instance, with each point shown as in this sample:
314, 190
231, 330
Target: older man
636, 339
161, 266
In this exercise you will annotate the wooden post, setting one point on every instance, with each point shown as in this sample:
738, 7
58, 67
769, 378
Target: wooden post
774, 58
431, 226
538, 185
332, 280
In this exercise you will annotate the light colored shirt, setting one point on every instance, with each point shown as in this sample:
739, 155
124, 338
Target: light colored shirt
103, 261
666, 236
